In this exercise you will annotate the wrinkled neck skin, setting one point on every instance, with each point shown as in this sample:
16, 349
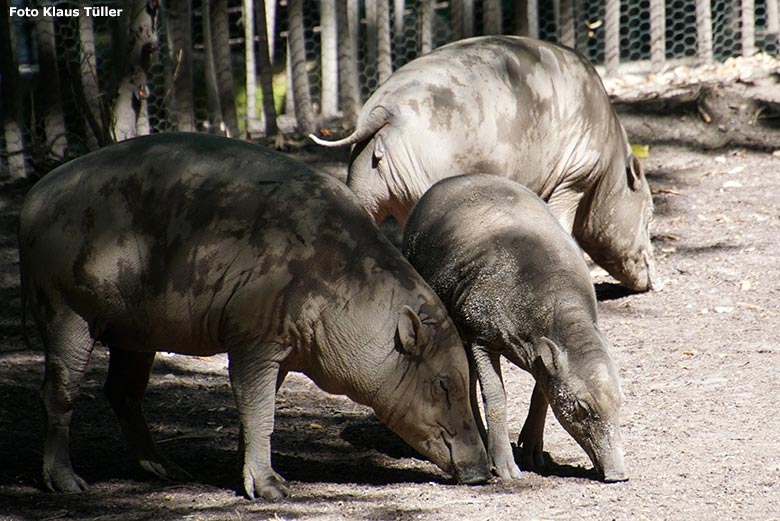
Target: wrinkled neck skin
584, 393
573, 328
394, 377
612, 226
350, 347
399, 403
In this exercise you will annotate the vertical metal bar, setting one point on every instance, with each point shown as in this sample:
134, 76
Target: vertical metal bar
612, 36
533, 19
270, 22
371, 36
88, 69
456, 15
425, 16
704, 29
468, 18
384, 52
11, 101
772, 22
329, 58
748, 27
491, 17
657, 33
566, 22
353, 11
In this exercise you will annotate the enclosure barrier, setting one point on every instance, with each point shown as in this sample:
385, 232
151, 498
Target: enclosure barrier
72, 81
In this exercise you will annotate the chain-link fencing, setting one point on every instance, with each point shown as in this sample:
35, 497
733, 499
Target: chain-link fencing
73, 82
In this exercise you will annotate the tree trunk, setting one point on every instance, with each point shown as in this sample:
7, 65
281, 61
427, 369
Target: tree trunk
612, 36
566, 22
349, 91
748, 28
384, 53
11, 101
250, 66
129, 112
289, 95
425, 14
92, 109
329, 58
398, 18
212, 92
270, 26
300, 76
468, 18
266, 68
657, 33
734, 114
704, 29
369, 62
178, 19
353, 13
49, 102
223, 65
492, 17
773, 21
456, 16
527, 18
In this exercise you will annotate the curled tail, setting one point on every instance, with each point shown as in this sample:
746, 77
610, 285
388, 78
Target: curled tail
378, 118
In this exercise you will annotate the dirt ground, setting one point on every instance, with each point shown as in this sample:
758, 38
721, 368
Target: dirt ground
699, 362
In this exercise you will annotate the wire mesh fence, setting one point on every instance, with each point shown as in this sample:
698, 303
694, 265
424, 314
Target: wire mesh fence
82, 81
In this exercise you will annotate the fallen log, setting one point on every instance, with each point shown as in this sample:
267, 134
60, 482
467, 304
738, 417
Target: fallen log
736, 103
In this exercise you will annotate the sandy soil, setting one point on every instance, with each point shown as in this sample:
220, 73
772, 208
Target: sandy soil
699, 364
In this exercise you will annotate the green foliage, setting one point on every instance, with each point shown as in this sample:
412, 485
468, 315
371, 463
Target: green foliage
280, 92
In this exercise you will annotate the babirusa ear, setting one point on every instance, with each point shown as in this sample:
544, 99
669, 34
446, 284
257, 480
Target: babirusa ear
633, 172
411, 332
553, 357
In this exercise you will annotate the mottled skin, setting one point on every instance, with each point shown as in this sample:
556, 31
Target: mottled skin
524, 109
516, 285
199, 245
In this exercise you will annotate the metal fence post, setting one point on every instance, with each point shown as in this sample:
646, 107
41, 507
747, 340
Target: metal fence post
704, 29
468, 18
249, 60
657, 33
49, 88
11, 101
384, 50
425, 17
612, 36
329, 58
566, 22
748, 28
533, 18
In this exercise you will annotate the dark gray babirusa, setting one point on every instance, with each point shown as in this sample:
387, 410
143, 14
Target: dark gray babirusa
199, 245
528, 110
516, 285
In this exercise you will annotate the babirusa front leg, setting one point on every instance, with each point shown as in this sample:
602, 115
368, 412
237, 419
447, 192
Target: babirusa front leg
68, 348
253, 377
531, 439
488, 365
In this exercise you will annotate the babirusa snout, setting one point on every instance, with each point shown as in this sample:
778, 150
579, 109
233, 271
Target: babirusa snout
613, 469
470, 462
607, 458
472, 474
